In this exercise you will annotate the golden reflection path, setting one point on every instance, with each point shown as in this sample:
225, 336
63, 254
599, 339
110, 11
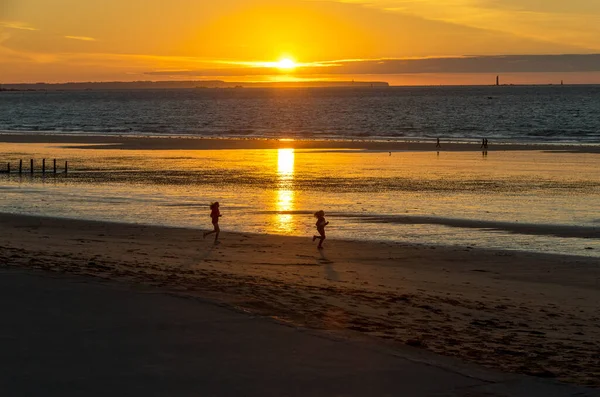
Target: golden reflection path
284, 200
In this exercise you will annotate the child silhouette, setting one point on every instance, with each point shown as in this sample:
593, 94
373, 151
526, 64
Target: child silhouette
321, 223
215, 214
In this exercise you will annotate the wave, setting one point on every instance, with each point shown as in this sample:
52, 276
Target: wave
565, 231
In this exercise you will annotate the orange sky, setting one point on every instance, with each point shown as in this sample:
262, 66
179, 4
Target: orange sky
84, 40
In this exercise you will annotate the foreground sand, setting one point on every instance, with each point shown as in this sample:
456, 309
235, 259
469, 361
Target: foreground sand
527, 313
140, 341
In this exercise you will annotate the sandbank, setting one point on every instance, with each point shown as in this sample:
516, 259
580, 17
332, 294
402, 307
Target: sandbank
84, 141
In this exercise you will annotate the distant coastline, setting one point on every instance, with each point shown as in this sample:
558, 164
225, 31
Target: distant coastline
218, 84
188, 84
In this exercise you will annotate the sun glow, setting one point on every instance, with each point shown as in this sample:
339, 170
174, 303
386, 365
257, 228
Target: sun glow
286, 64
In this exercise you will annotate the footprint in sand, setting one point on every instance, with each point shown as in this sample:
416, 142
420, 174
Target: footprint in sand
325, 261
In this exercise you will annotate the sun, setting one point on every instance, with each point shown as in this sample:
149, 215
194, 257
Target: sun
286, 63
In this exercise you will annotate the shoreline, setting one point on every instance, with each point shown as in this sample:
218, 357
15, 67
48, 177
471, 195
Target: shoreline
514, 311
590, 232
156, 142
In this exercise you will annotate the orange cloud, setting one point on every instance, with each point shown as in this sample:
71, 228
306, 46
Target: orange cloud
80, 38
16, 25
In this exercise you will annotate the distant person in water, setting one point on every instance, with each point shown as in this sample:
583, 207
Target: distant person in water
215, 214
437, 144
321, 223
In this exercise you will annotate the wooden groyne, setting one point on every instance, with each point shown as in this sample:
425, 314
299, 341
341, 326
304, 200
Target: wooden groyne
32, 168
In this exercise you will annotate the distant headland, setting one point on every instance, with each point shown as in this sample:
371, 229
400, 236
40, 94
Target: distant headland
206, 84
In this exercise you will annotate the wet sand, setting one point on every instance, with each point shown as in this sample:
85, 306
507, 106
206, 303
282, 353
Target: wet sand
519, 312
585, 232
194, 143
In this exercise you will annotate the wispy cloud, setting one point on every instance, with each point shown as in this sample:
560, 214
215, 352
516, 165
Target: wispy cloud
80, 38
16, 25
550, 21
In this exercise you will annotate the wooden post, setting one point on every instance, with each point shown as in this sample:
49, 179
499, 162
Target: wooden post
54, 166
8, 167
31, 166
44, 166
20, 166
66, 167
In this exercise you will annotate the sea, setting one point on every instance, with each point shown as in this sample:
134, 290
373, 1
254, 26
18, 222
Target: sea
528, 200
503, 113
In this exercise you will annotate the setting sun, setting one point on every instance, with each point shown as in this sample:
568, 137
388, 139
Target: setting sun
286, 63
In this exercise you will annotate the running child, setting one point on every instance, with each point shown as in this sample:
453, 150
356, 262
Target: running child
321, 223
215, 214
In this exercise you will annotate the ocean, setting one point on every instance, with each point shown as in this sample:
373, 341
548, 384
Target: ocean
529, 200
512, 114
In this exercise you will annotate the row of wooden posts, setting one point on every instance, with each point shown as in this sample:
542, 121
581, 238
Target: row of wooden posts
32, 169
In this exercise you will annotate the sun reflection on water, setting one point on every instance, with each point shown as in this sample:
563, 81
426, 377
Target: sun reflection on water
284, 200
285, 163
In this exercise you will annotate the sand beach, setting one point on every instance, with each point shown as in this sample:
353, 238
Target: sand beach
490, 260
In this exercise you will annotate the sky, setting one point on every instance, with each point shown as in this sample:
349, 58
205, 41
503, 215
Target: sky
399, 41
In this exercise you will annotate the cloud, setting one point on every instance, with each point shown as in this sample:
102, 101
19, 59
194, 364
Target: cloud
471, 64
16, 25
551, 20
80, 38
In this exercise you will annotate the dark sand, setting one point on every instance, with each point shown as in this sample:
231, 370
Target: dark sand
80, 336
